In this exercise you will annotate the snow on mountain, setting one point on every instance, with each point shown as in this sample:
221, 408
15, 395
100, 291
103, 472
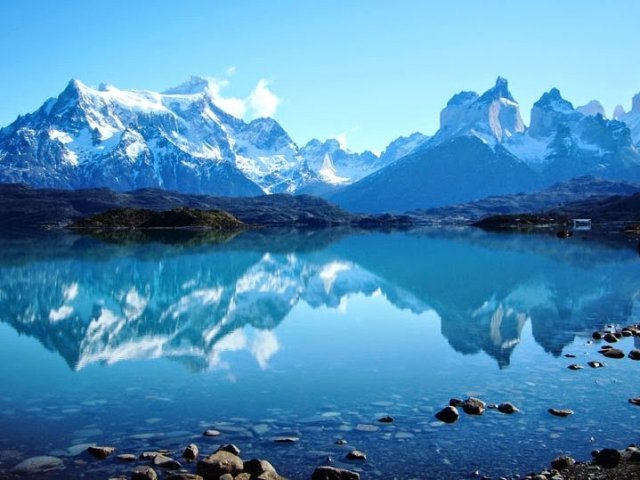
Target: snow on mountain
179, 139
403, 146
337, 165
593, 108
493, 116
631, 118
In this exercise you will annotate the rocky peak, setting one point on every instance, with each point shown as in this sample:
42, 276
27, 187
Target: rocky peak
550, 112
593, 108
618, 112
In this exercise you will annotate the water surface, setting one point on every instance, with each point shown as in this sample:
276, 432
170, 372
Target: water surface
143, 345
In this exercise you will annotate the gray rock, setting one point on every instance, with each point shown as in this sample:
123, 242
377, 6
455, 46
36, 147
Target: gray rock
38, 464
455, 402
231, 448
166, 463
356, 455
221, 462
144, 473
100, 452
562, 462
191, 452
508, 408
332, 473
448, 414
560, 412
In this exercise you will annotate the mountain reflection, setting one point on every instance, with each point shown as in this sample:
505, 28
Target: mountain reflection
107, 302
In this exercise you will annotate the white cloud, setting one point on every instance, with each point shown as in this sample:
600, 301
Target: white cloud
341, 138
262, 102
230, 71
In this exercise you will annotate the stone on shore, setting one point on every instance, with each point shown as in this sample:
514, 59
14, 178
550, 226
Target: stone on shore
216, 465
332, 473
144, 473
256, 467
562, 462
100, 452
448, 414
191, 452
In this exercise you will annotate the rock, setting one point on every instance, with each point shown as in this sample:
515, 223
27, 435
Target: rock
596, 336
593, 364
634, 354
356, 455
560, 412
256, 467
569, 355
100, 452
144, 473
127, 457
575, 366
38, 464
473, 406
211, 433
242, 476
149, 455
286, 439
341, 441
562, 462
166, 463
634, 457
221, 462
626, 332
332, 473
185, 476
191, 452
605, 347
507, 408
231, 448
612, 353
455, 402
448, 414
227, 476
607, 457
386, 419
610, 338
635, 401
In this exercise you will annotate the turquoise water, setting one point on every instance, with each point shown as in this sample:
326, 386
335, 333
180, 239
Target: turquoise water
317, 335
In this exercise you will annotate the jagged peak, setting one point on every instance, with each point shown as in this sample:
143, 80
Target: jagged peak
635, 103
499, 90
592, 108
553, 100
192, 86
618, 112
462, 98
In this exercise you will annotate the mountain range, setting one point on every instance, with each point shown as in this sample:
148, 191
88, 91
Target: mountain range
181, 140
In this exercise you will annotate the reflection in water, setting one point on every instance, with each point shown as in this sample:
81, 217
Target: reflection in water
95, 302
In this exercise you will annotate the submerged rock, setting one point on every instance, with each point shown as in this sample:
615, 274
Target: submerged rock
40, 464
341, 441
332, 473
286, 439
560, 412
144, 473
127, 457
221, 462
508, 408
610, 338
448, 414
455, 402
100, 452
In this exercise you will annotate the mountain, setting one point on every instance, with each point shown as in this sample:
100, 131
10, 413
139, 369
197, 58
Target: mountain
336, 166
483, 148
631, 118
462, 169
124, 140
593, 108
562, 143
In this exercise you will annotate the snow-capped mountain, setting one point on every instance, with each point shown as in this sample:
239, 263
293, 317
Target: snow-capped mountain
631, 118
483, 148
123, 140
403, 146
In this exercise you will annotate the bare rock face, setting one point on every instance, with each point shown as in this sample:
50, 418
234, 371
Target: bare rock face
221, 462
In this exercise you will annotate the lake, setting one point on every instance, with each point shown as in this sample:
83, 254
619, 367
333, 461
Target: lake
143, 345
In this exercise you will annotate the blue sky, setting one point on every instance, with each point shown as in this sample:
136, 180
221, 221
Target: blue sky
368, 70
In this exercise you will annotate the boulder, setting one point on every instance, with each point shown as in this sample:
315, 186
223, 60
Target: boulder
144, 473
256, 467
100, 452
612, 353
610, 338
448, 414
562, 462
473, 406
191, 452
356, 455
127, 457
166, 463
221, 462
507, 408
332, 473
230, 447
607, 457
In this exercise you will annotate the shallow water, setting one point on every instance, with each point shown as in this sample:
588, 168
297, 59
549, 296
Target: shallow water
317, 335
